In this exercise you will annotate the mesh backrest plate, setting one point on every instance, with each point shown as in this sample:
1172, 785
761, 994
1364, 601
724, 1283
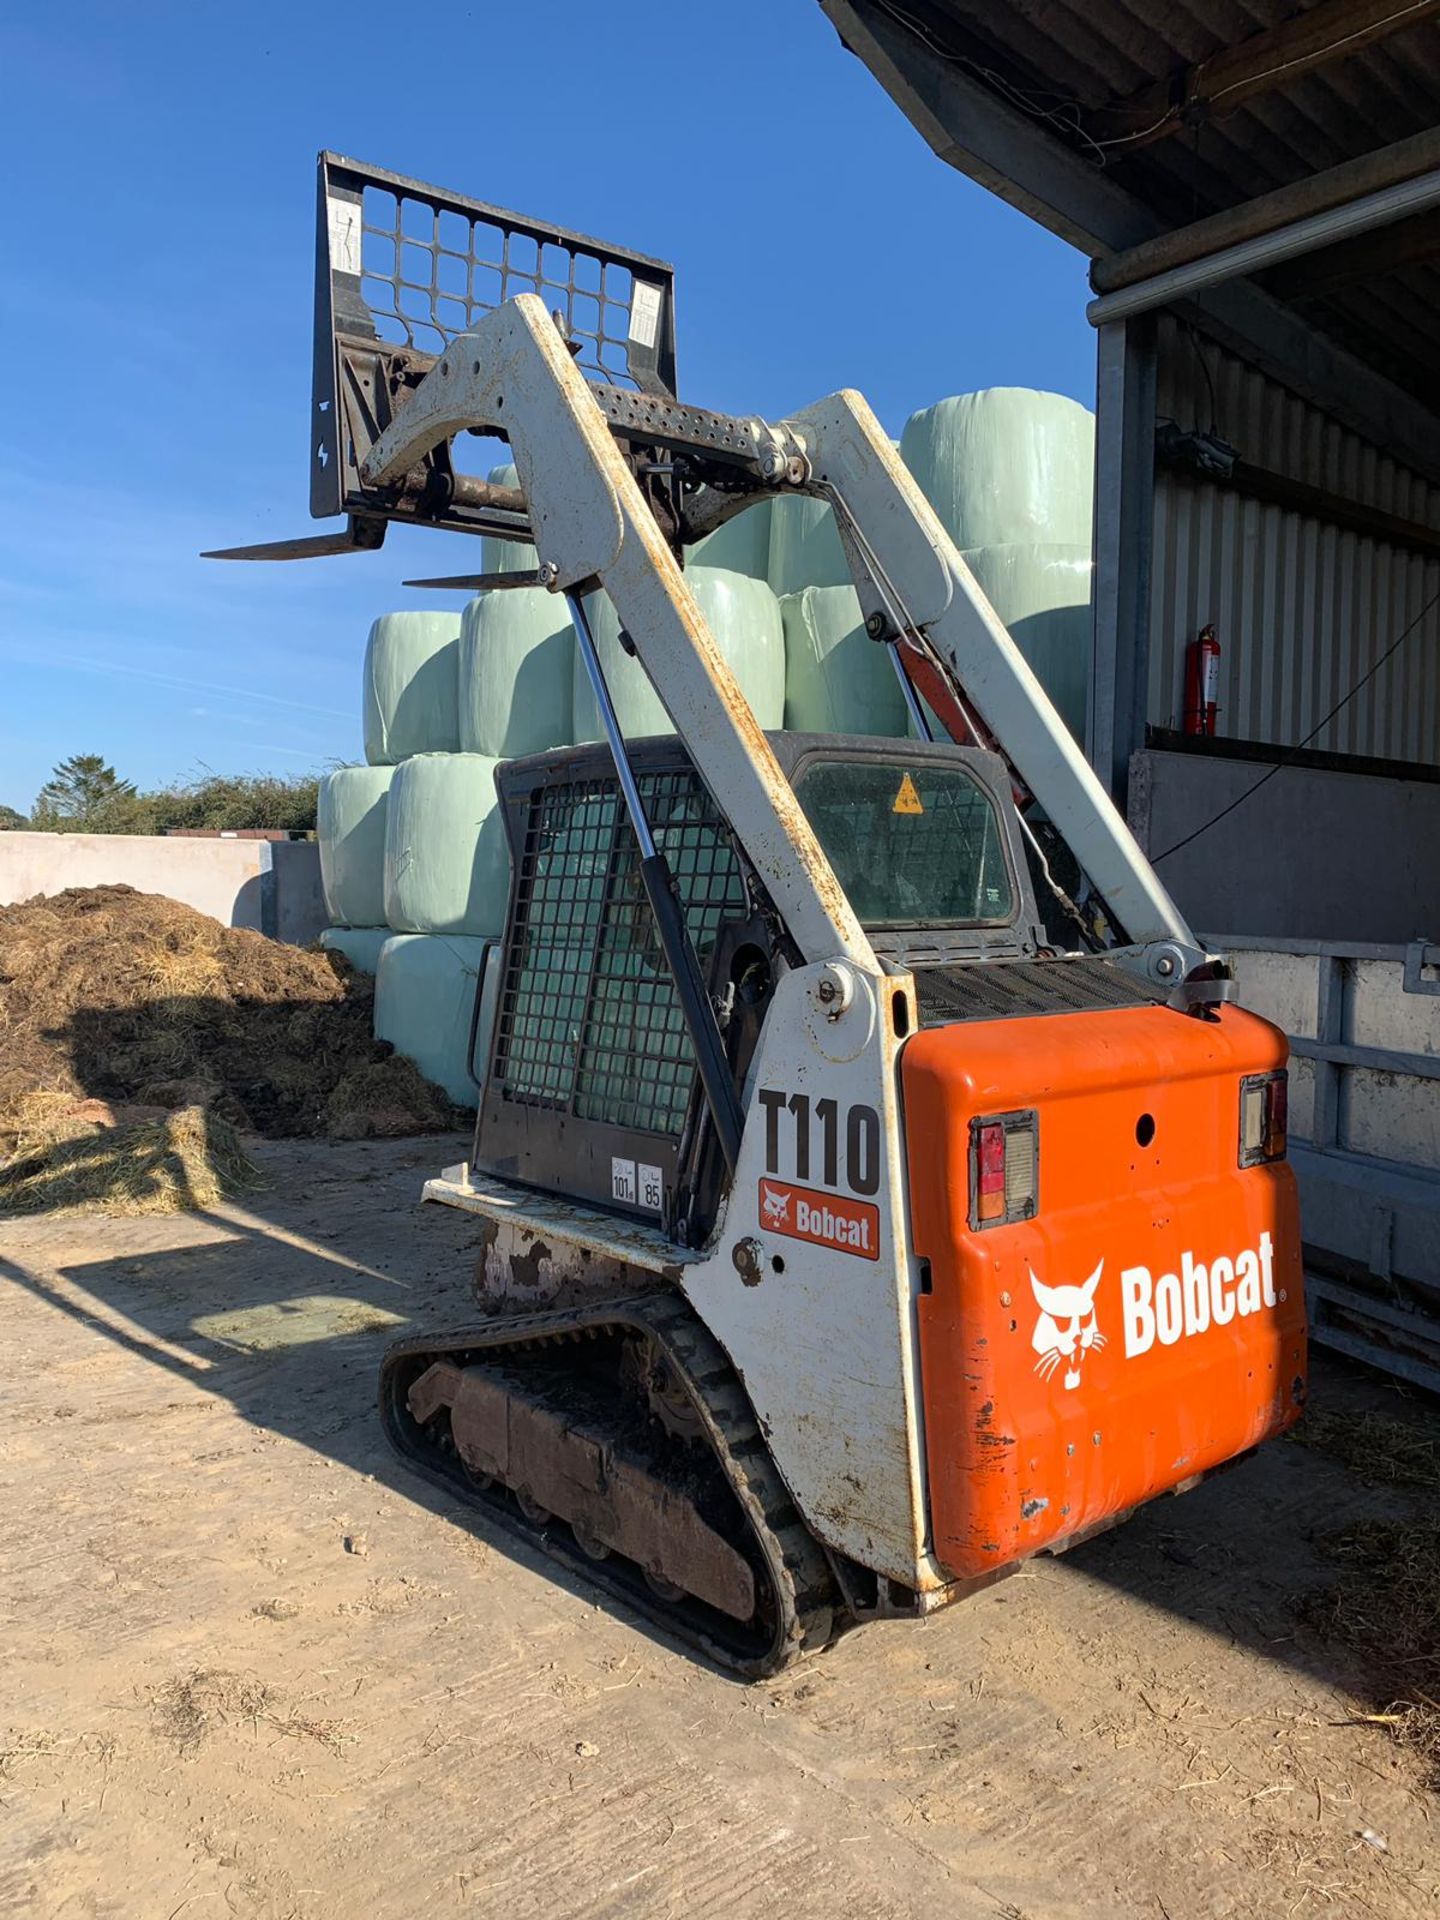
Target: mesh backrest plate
589, 1021
427, 274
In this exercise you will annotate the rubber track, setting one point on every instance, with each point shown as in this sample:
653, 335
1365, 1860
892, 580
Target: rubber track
802, 1590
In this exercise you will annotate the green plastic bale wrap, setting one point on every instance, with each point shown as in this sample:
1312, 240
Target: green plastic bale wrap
425, 988
805, 549
742, 545
1006, 466
350, 825
743, 615
517, 668
552, 985
359, 945
837, 679
412, 686
447, 864
1043, 596
506, 556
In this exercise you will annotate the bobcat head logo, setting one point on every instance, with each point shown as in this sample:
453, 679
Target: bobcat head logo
777, 1207
1066, 1329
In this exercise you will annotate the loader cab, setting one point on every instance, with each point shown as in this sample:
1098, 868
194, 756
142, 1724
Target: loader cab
589, 1085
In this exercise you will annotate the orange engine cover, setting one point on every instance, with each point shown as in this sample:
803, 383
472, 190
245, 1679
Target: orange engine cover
1147, 1323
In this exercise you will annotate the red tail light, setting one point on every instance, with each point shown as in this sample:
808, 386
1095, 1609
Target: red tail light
990, 1170
1004, 1168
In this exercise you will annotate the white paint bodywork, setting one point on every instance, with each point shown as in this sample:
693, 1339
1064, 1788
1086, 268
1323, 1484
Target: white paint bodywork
826, 1345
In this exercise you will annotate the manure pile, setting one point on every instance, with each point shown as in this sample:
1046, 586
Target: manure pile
118, 1007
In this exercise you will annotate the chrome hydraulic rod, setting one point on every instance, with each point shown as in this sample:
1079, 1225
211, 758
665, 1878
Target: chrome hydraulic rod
695, 1004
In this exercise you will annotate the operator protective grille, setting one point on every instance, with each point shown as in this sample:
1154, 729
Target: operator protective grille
588, 1020
1010, 989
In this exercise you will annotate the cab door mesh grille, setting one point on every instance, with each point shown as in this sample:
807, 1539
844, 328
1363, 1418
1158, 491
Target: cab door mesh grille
588, 1020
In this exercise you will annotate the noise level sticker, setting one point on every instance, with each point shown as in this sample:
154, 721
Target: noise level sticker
637, 1186
907, 800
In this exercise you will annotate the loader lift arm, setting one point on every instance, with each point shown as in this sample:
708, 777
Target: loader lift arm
405, 273
590, 522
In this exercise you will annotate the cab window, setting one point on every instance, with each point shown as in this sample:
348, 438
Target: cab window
912, 842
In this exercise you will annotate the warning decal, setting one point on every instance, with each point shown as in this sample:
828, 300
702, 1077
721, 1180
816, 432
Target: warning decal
343, 223
907, 800
827, 1219
645, 314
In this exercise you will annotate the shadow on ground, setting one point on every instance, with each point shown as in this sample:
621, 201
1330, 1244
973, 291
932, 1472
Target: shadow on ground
283, 1304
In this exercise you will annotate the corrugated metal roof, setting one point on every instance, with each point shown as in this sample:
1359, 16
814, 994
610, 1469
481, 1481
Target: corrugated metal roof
1070, 63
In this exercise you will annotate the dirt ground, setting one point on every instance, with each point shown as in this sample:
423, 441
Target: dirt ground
250, 1667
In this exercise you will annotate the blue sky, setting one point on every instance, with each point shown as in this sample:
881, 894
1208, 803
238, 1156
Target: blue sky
156, 289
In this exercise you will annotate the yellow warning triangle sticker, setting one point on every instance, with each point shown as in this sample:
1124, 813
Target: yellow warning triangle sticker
907, 800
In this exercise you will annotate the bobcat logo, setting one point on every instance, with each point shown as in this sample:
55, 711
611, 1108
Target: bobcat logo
777, 1207
1066, 1329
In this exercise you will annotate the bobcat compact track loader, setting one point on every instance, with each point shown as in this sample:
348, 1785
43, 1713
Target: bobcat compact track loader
856, 1223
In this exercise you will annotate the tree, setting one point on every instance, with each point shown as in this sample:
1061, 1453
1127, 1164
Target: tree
80, 793
84, 795
217, 801
11, 820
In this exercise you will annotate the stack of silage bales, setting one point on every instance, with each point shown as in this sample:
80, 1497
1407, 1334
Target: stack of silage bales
743, 615
410, 706
413, 851
1010, 472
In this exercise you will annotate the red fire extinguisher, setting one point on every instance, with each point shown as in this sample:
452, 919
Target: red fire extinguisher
1202, 682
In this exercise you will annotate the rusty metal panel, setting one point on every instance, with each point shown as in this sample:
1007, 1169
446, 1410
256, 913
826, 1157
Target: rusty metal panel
1302, 607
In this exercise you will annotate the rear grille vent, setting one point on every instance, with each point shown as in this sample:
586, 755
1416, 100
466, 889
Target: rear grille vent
1012, 989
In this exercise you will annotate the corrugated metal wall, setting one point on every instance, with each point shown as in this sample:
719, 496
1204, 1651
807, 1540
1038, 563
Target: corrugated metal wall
1302, 608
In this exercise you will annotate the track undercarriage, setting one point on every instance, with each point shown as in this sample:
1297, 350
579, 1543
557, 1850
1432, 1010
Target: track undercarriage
616, 1438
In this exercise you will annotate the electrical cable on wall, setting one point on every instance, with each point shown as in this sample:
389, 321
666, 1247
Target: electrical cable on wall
1300, 745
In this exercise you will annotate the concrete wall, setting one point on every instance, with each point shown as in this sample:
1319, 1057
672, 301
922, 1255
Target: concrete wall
272, 886
1316, 854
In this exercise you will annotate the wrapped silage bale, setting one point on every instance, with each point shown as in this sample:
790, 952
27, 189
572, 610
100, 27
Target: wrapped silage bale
837, 679
412, 686
447, 863
742, 545
1006, 466
805, 549
350, 818
743, 615
425, 988
517, 668
359, 945
506, 556
1043, 595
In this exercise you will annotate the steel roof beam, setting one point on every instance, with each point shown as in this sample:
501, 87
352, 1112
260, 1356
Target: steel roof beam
1260, 64
1385, 250
1318, 193
1270, 249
